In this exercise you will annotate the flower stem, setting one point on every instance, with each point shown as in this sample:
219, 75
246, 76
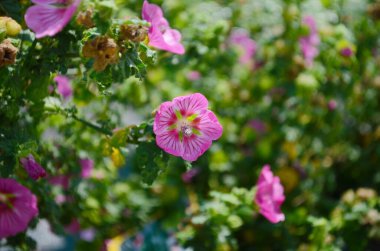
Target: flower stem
95, 127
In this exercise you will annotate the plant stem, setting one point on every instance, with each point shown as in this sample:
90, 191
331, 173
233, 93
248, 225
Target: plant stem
95, 127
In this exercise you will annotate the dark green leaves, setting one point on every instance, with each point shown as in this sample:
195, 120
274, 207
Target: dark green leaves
150, 161
11, 8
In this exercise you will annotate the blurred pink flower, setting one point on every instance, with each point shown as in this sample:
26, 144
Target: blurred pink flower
309, 44
34, 170
64, 86
193, 75
161, 36
346, 52
48, 17
87, 167
241, 39
73, 227
258, 125
185, 127
60, 199
88, 234
105, 244
17, 207
60, 180
189, 175
270, 195
332, 104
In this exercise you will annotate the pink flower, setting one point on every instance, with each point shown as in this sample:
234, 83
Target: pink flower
193, 75
73, 227
258, 125
184, 127
270, 195
189, 175
332, 104
161, 36
346, 52
34, 169
88, 234
60, 199
87, 167
60, 180
309, 44
241, 39
64, 86
48, 17
17, 207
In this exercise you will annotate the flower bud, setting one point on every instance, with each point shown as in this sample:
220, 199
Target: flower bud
104, 50
374, 10
133, 32
7, 53
11, 27
84, 18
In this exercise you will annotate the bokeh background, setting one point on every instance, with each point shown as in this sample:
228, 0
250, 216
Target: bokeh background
316, 122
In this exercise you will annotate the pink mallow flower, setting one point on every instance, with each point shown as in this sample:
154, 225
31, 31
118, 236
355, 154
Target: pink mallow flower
17, 207
248, 47
185, 127
48, 17
64, 86
161, 36
34, 170
270, 195
309, 44
87, 167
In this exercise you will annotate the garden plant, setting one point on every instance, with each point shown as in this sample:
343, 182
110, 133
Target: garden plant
190, 125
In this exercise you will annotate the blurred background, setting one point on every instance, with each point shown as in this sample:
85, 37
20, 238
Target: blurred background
295, 84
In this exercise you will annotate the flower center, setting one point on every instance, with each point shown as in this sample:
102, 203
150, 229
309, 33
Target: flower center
185, 125
5, 199
186, 130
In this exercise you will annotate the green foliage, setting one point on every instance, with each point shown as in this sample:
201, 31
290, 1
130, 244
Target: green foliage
11, 8
150, 160
316, 125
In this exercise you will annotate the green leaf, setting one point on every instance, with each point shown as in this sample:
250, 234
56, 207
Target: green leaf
11, 8
148, 55
150, 161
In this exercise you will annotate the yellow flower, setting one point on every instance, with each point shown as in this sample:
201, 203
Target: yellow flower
291, 149
115, 243
117, 157
11, 27
289, 178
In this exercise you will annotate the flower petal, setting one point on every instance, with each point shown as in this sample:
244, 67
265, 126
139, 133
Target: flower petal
210, 126
168, 41
195, 146
161, 36
169, 142
41, 2
48, 20
24, 208
151, 12
165, 117
193, 103
270, 195
64, 86
34, 169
